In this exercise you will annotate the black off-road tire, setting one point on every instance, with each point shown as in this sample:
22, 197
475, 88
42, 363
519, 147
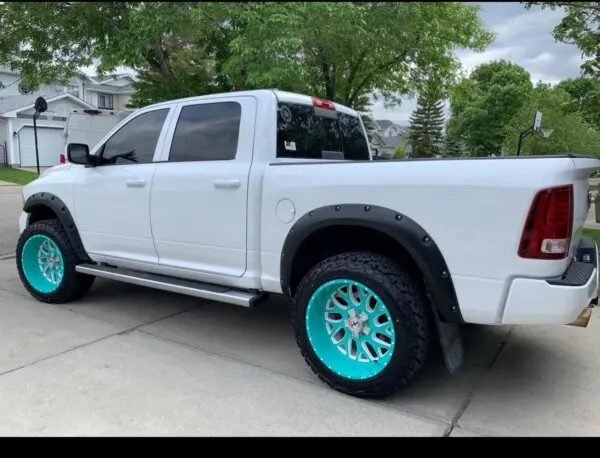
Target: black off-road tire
406, 302
74, 284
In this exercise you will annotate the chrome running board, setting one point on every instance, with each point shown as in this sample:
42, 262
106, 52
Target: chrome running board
175, 285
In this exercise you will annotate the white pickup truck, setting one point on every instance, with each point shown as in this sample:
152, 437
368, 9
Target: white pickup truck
233, 197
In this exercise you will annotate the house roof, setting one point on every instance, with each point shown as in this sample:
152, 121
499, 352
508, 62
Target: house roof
118, 76
13, 102
10, 106
392, 142
8, 71
383, 123
14, 72
110, 89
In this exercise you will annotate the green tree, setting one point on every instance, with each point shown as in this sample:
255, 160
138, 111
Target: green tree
451, 147
427, 126
482, 104
341, 51
173, 45
571, 134
579, 26
346, 51
585, 97
400, 152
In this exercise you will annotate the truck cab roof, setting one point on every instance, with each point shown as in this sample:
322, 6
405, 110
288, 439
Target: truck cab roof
280, 96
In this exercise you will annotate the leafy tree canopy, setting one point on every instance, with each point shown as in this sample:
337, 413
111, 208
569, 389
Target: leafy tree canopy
482, 105
571, 134
341, 51
585, 97
400, 152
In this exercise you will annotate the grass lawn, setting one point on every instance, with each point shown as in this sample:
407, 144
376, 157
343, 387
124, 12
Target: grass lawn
593, 233
16, 176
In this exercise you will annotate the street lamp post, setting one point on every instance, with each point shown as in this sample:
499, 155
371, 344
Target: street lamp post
40, 106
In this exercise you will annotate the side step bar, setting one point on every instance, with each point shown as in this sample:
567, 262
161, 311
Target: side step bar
207, 291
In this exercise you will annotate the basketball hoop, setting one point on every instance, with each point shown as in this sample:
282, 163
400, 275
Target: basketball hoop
546, 132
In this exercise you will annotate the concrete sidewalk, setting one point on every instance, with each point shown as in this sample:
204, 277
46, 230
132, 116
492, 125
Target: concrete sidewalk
10, 208
132, 361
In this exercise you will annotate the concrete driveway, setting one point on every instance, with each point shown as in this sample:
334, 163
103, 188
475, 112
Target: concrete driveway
132, 361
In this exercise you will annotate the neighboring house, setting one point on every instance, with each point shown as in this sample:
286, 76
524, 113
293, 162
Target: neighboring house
16, 113
110, 93
386, 136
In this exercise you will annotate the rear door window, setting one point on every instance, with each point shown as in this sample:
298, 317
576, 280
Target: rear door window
304, 132
207, 132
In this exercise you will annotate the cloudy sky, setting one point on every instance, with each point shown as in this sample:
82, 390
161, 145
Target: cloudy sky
523, 37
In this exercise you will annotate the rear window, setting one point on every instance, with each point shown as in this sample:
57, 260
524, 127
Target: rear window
306, 132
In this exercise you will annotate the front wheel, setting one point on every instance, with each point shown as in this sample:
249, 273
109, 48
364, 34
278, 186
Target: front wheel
362, 324
46, 263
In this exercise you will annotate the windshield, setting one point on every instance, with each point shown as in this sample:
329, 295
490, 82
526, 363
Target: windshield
306, 132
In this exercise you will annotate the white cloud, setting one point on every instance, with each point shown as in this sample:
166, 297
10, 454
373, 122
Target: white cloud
470, 59
542, 59
576, 60
527, 23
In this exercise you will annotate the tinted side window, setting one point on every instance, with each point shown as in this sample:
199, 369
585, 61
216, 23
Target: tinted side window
207, 132
354, 139
302, 134
135, 142
305, 133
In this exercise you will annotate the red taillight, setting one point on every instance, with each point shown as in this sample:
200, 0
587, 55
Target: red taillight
62, 159
547, 232
323, 104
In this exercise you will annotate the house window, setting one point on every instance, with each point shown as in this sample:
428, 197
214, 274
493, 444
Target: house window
105, 101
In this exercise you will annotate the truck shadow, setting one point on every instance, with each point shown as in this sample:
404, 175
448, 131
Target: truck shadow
263, 337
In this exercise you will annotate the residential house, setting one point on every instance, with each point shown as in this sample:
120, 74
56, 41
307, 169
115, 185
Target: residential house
16, 113
386, 136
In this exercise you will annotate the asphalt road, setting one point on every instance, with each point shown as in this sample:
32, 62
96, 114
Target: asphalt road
127, 360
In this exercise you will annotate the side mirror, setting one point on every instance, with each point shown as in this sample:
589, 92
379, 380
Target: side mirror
78, 153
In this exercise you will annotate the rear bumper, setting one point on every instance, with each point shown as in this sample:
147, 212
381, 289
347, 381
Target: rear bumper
558, 300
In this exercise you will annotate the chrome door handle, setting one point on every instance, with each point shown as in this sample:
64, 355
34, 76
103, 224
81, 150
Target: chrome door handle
227, 184
136, 183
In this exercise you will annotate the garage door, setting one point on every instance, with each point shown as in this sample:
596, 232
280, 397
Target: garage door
50, 146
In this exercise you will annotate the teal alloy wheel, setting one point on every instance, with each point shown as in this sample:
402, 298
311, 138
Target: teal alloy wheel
46, 262
42, 263
350, 329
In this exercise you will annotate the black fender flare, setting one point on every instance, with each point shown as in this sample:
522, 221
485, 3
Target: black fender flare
48, 200
405, 231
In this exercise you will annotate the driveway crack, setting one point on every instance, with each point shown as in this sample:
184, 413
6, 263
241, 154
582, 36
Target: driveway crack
463, 407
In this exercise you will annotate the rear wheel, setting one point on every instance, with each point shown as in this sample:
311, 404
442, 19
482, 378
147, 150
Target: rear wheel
361, 323
46, 263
